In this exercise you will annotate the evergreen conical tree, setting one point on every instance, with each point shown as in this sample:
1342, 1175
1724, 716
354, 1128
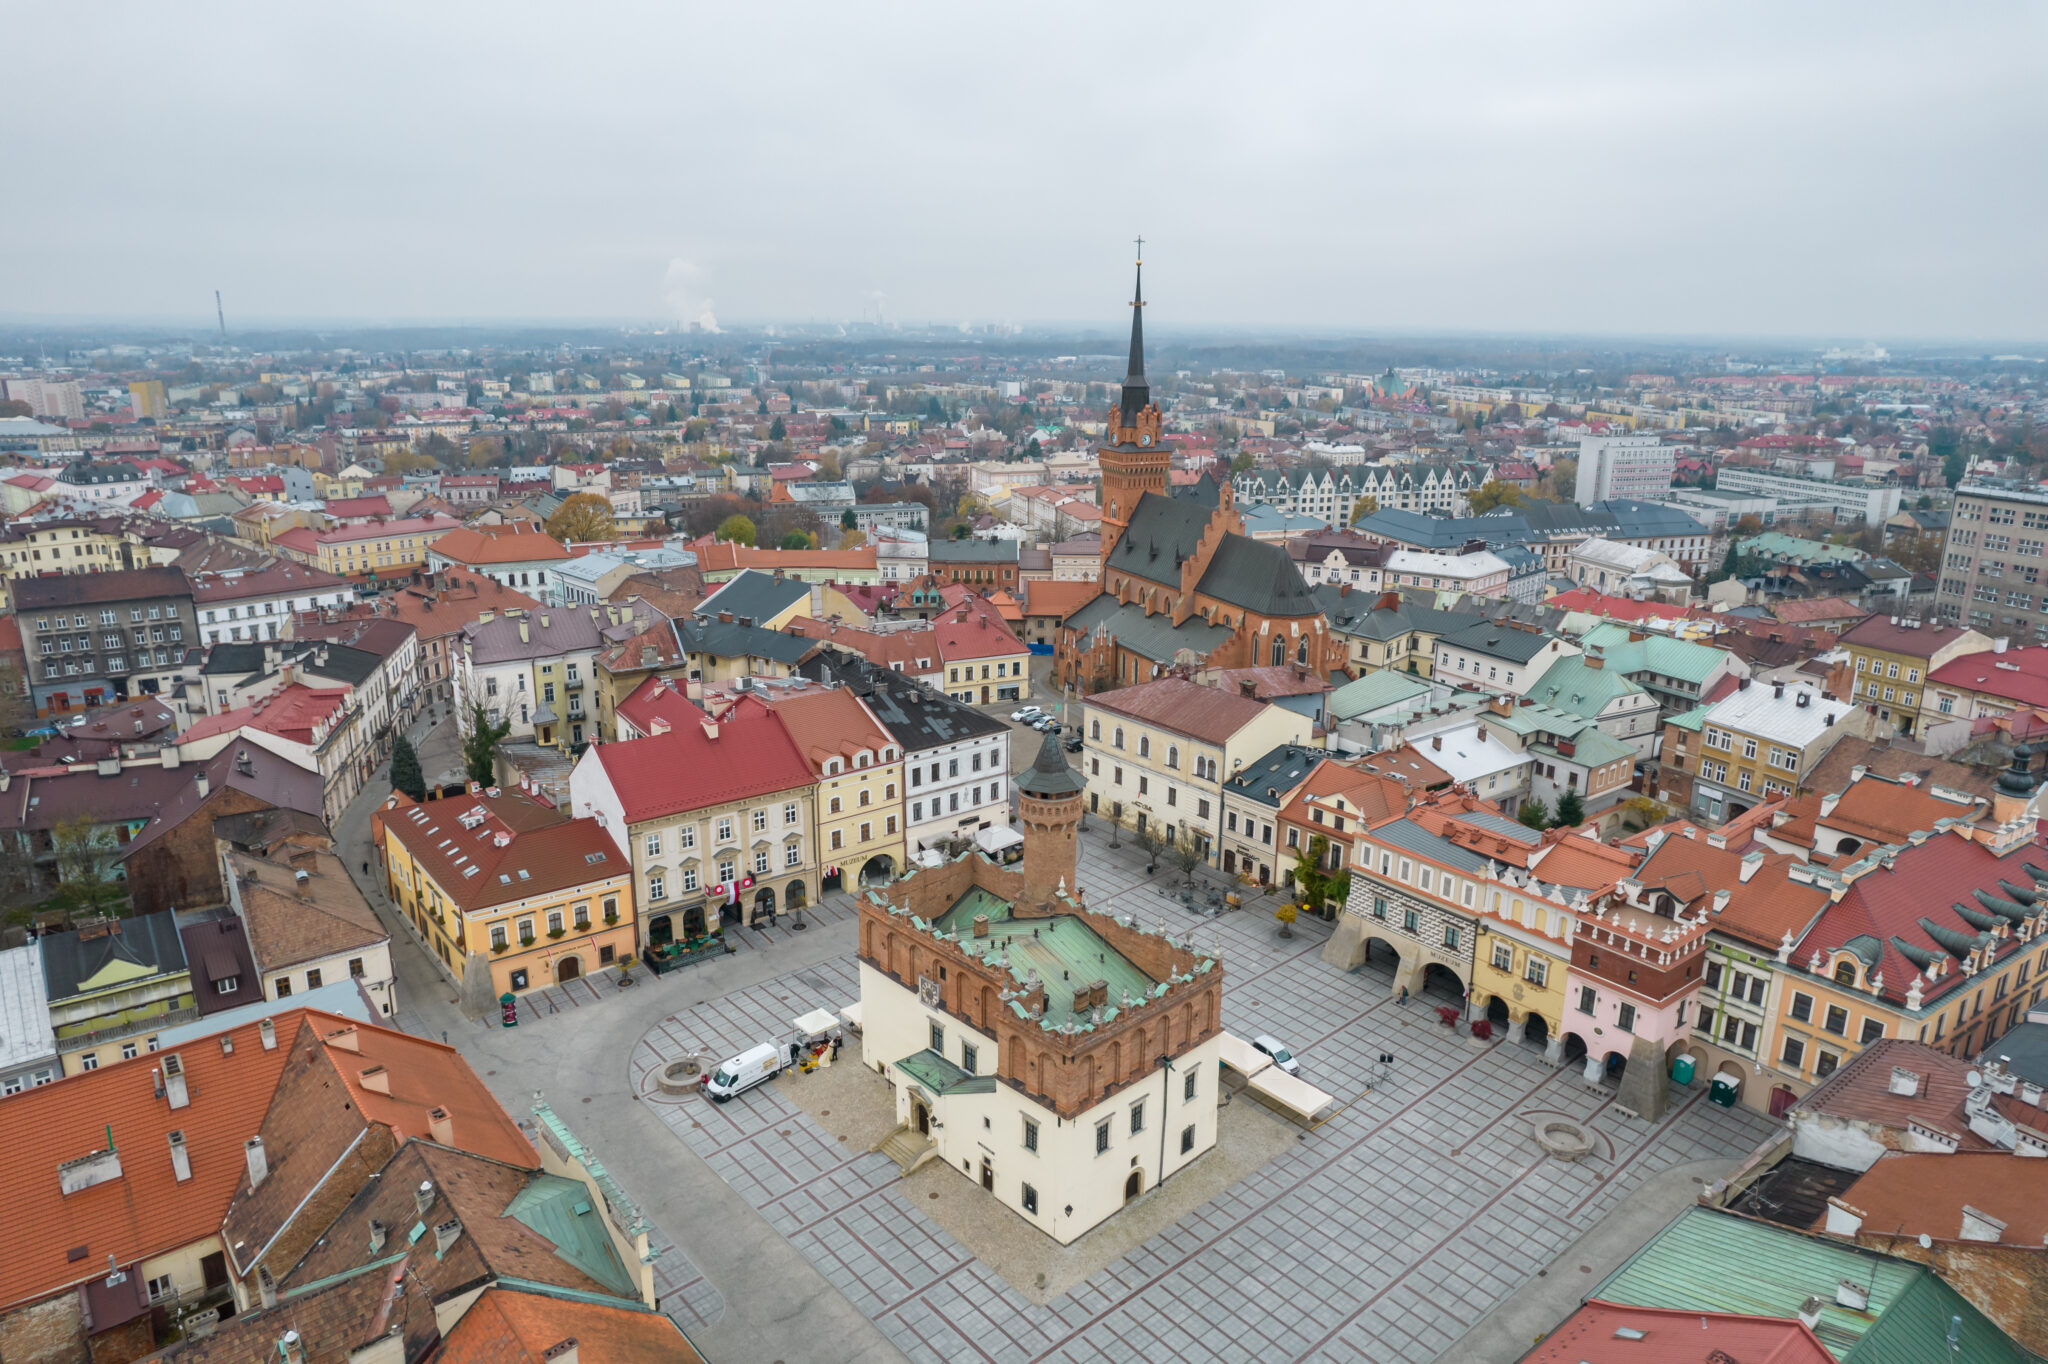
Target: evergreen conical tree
1571, 812
405, 770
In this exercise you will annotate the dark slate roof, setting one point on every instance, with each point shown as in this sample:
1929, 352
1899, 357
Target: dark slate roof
1359, 614
1050, 777
699, 635
1268, 780
217, 948
1156, 636
1259, 577
1204, 491
344, 664
1162, 533
1497, 641
1632, 519
1406, 833
149, 940
113, 585
915, 715
756, 595
975, 551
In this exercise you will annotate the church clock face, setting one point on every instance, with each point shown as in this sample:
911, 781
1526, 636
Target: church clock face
1145, 439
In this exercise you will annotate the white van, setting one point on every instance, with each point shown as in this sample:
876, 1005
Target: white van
751, 1067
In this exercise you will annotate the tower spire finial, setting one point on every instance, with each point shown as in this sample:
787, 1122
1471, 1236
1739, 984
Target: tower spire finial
1137, 394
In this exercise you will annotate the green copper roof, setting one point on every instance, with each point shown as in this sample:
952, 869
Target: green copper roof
1572, 684
942, 1077
1777, 545
1684, 659
1707, 1261
1060, 949
1691, 720
564, 1212
1376, 691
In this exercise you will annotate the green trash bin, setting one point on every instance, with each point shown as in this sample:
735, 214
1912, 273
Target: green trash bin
1681, 1070
1722, 1091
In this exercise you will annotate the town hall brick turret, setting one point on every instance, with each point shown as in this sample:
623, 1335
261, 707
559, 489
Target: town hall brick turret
1182, 584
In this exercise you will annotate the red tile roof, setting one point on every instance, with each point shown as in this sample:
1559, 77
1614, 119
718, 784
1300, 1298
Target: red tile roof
1210, 714
1818, 609
1861, 1091
513, 544
294, 713
831, 722
508, 1327
1908, 1194
486, 850
982, 635
654, 699
1923, 640
1676, 1336
745, 753
1059, 600
1617, 608
343, 507
1887, 904
145, 1211
2016, 675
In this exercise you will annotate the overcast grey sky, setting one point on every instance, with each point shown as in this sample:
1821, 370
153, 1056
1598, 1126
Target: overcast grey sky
1843, 170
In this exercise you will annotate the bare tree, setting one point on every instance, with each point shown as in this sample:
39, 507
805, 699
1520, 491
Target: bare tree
1187, 854
1152, 838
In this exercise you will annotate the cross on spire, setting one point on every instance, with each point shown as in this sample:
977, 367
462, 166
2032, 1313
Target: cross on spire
1136, 391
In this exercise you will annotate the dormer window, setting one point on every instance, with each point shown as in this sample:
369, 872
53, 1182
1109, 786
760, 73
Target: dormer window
1845, 973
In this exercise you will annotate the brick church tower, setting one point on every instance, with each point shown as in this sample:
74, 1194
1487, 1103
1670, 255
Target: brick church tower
1049, 808
1133, 455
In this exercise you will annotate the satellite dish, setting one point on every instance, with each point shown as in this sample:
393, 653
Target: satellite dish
1926, 1241
1974, 1078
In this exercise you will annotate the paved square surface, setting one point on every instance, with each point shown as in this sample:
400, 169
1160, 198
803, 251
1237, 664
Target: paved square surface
1381, 1235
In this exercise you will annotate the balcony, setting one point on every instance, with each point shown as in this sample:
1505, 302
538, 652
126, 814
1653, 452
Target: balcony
574, 683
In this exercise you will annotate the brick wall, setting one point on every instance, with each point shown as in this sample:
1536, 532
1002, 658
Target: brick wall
47, 1332
180, 868
2008, 1284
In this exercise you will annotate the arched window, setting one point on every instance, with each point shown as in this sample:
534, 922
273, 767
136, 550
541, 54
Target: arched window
1118, 738
1301, 652
1095, 730
1845, 973
835, 806
889, 791
864, 799
1173, 756
1279, 651
1144, 745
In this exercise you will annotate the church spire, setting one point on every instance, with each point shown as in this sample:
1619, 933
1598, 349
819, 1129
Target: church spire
1137, 394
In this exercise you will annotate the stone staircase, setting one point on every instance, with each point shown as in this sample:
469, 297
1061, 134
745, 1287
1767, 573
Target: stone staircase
907, 1147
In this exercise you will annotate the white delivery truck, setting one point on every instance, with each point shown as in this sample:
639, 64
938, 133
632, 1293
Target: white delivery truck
756, 1065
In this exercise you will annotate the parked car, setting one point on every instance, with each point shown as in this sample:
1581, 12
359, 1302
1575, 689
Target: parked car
1072, 743
1027, 716
1046, 723
1275, 1048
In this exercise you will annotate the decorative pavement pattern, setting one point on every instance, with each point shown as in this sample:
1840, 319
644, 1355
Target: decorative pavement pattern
1381, 1236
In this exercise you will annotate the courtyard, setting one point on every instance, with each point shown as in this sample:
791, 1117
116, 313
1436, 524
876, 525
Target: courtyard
1382, 1234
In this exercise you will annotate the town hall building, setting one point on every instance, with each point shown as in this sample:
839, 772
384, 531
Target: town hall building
1064, 1058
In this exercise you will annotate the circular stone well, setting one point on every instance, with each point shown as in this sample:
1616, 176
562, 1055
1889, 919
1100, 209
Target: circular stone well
1563, 1138
678, 1077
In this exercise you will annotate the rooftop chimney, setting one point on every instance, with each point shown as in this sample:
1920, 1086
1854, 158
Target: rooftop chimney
1809, 1312
441, 1126
181, 1159
259, 1162
268, 1030
378, 1231
376, 1079
174, 1081
562, 1352
1904, 1082
347, 1040
445, 1234
423, 1196
202, 785
267, 1288
290, 1348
